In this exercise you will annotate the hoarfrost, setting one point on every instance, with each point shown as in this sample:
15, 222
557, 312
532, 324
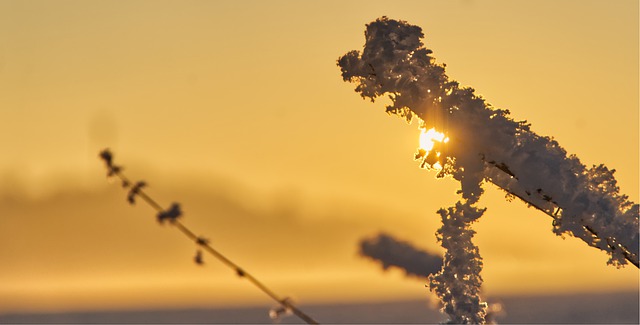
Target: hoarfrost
485, 144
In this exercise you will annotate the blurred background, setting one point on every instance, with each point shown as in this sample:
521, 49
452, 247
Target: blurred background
236, 109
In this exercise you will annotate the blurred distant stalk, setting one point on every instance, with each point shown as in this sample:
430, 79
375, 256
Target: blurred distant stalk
173, 214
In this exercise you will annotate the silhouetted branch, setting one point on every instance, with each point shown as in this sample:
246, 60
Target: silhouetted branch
173, 214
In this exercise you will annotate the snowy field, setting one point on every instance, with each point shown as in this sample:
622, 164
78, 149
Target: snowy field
614, 308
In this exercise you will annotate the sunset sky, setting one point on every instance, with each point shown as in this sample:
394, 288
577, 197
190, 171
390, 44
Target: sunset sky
237, 110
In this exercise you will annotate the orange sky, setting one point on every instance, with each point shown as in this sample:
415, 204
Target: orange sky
238, 111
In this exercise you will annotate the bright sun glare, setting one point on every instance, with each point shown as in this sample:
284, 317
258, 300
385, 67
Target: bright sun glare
427, 142
429, 137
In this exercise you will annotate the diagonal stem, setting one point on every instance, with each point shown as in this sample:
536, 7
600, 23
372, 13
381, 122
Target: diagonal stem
610, 241
285, 303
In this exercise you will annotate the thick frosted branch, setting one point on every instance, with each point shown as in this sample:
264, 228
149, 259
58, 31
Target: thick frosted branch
486, 144
458, 283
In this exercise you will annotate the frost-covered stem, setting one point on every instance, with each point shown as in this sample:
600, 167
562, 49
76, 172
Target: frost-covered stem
394, 62
458, 283
553, 213
200, 241
583, 202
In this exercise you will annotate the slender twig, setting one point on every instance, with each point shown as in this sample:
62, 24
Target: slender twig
136, 190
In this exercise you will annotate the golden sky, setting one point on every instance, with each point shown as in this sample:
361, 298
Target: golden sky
236, 109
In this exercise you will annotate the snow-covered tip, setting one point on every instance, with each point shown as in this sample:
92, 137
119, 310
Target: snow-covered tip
172, 214
277, 313
135, 190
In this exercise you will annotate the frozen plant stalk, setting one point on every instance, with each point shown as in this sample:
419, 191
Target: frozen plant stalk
485, 144
458, 283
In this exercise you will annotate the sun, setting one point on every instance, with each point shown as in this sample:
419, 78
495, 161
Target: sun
428, 139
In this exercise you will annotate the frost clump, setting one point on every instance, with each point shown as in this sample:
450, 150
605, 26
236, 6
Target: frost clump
486, 145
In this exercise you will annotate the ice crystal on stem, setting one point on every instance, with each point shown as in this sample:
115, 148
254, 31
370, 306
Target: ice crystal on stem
488, 145
458, 283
